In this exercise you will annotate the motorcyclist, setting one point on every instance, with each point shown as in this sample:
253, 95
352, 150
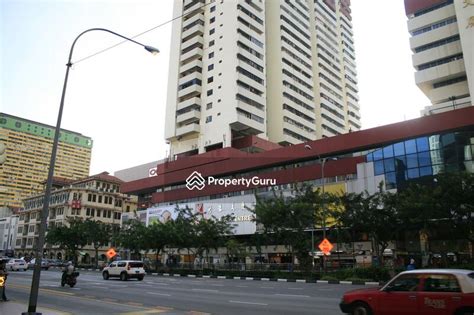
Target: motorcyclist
68, 271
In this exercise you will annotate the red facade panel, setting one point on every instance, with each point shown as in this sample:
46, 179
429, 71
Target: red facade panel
230, 160
412, 6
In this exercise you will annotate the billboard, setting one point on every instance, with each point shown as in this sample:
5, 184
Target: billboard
236, 206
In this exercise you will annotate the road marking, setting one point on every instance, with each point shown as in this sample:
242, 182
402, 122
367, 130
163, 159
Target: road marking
156, 293
293, 295
242, 286
161, 283
205, 290
267, 287
135, 303
216, 285
156, 310
251, 303
295, 288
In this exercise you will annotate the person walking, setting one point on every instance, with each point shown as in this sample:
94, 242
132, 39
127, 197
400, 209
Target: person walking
411, 265
4, 275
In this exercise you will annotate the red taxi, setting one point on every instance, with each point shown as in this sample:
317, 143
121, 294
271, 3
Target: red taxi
420, 292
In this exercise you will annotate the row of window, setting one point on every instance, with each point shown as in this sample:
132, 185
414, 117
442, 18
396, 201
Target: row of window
434, 26
440, 62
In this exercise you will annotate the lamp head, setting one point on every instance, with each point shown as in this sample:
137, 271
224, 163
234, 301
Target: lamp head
308, 147
152, 49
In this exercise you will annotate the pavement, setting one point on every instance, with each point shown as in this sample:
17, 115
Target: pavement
12, 307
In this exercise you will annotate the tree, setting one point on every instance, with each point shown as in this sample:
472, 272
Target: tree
284, 219
132, 236
70, 238
374, 214
158, 235
99, 234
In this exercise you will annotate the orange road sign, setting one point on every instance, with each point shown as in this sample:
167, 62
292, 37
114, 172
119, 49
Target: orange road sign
2, 281
111, 253
325, 246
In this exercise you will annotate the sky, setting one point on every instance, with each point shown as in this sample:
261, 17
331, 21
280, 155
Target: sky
118, 97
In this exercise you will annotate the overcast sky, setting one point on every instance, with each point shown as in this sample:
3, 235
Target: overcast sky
118, 97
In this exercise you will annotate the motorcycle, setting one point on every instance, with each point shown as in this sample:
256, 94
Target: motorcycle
70, 280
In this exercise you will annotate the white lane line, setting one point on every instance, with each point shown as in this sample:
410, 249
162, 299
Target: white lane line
293, 295
295, 288
217, 285
251, 303
267, 287
205, 290
162, 294
242, 286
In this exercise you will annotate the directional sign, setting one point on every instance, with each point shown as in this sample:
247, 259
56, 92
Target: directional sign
325, 246
2, 281
111, 253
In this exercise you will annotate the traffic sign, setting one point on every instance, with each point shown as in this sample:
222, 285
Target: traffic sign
2, 281
111, 253
325, 246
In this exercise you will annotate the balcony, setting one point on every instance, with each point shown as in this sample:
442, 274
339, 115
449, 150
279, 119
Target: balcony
192, 41
188, 102
190, 65
193, 9
195, 30
190, 91
196, 53
190, 77
246, 125
188, 129
441, 72
191, 116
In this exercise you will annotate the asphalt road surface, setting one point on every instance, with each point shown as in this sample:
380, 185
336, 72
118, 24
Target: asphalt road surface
177, 295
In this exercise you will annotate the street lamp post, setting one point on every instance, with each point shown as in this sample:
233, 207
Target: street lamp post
44, 212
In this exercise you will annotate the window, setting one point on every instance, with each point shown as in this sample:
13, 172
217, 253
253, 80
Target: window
89, 197
213, 8
212, 31
209, 92
212, 20
100, 199
210, 67
121, 264
441, 283
211, 43
211, 55
94, 198
210, 80
208, 119
405, 283
209, 105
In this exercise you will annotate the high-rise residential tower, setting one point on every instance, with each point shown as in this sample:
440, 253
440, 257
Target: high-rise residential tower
283, 70
442, 41
27, 150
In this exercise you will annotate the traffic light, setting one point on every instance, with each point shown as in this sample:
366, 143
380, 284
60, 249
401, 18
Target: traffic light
3, 153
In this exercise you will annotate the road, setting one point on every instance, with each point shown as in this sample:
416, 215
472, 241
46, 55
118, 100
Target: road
178, 295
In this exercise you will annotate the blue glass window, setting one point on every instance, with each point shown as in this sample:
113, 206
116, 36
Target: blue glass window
388, 152
378, 155
413, 173
390, 180
370, 157
412, 160
389, 165
424, 158
422, 144
378, 167
410, 146
399, 149
426, 171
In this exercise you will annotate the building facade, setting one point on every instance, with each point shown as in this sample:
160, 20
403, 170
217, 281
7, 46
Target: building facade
8, 230
442, 41
393, 155
282, 70
27, 152
96, 197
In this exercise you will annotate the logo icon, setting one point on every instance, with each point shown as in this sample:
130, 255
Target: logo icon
195, 180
